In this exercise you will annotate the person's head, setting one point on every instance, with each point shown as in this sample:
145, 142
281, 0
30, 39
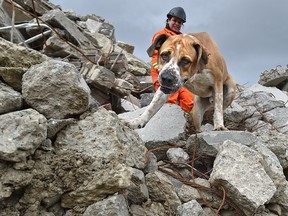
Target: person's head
175, 18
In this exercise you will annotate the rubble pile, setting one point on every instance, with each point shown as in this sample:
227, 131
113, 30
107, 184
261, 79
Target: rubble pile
65, 85
88, 42
277, 77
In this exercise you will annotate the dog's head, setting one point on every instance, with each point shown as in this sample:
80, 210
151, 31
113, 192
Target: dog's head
179, 58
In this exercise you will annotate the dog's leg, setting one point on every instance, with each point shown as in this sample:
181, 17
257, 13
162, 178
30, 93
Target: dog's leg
157, 102
218, 106
229, 93
198, 111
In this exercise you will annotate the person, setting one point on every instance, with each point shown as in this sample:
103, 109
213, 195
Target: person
175, 19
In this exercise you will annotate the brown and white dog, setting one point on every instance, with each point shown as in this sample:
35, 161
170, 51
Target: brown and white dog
195, 62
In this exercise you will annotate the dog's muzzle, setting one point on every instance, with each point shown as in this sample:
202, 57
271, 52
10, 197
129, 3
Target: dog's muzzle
169, 81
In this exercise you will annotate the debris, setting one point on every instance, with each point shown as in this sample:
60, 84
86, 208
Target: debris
65, 151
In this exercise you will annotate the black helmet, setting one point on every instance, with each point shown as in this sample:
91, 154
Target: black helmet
177, 12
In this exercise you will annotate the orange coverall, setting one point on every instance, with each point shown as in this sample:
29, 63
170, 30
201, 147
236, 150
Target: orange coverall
182, 97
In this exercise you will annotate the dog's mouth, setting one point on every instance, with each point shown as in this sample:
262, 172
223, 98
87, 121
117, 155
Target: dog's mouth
166, 90
169, 89
185, 80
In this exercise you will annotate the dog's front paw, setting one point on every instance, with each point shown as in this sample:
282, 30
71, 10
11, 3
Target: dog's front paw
220, 128
135, 123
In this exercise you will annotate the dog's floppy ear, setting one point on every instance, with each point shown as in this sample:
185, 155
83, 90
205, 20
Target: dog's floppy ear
202, 54
159, 40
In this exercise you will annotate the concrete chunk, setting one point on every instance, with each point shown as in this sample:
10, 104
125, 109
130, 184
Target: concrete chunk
167, 124
239, 170
58, 19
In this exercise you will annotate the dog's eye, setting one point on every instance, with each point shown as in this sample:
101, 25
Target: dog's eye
165, 56
184, 61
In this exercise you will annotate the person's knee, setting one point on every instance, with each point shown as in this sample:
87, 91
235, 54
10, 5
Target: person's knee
186, 101
186, 107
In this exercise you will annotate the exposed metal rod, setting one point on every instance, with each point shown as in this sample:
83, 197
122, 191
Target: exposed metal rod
29, 26
13, 23
24, 25
36, 37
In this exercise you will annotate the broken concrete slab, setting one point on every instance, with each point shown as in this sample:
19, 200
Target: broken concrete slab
113, 205
13, 55
58, 19
100, 41
55, 47
13, 76
21, 132
278, 118
92, 25
208, 143
277, 93
125, 46
166, 128
239, 170
56, 89
11, 100
191, 208
121, 88
167, 124
277, 77
116, 62
98, 76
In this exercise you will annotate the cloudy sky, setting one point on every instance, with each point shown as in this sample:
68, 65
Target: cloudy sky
251, 34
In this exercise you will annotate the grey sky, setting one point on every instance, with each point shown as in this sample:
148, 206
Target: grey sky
251, 34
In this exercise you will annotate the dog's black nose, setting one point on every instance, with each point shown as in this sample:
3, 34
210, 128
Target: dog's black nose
167, 78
